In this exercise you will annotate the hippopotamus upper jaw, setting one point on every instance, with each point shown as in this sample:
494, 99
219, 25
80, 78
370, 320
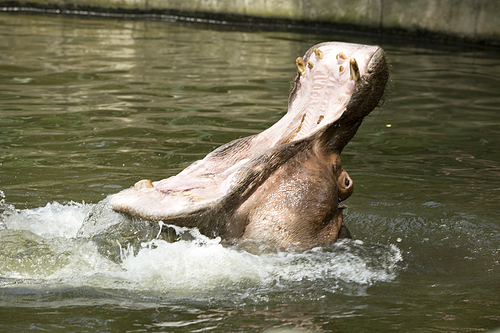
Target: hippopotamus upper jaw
366, 96
328, 78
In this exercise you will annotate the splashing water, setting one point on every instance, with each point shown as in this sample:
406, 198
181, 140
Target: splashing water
40, 245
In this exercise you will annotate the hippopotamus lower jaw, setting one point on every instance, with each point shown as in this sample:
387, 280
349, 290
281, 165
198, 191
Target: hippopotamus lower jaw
284, 184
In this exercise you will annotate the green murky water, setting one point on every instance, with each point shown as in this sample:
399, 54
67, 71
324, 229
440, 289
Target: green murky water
88, 107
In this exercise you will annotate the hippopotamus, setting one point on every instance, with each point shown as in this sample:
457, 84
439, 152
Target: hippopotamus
285, 185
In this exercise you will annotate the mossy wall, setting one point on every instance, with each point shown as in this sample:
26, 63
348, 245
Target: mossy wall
469, 20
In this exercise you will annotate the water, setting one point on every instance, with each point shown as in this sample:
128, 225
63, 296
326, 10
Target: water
90, 106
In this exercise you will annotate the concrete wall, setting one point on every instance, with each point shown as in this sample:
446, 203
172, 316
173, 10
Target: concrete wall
469, 20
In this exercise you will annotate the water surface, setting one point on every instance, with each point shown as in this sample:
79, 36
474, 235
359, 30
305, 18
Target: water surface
90, 106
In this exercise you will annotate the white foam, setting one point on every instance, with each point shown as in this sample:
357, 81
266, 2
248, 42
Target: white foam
197, 264
204, 263
54, 219
186, 265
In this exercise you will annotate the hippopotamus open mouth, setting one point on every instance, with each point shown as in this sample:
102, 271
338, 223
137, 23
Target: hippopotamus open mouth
285, 184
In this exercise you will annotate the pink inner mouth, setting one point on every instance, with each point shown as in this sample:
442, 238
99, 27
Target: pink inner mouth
323, 87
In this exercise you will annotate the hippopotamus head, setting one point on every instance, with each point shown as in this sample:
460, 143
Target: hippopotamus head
285, 184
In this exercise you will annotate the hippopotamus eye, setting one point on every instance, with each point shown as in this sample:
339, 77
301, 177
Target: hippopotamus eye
345, 185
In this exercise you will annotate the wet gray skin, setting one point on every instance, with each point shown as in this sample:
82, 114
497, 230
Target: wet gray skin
284, 185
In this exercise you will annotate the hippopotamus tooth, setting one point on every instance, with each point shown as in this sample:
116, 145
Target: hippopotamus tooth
144, 183
285, 184
301, 66
318, 53
354, 70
